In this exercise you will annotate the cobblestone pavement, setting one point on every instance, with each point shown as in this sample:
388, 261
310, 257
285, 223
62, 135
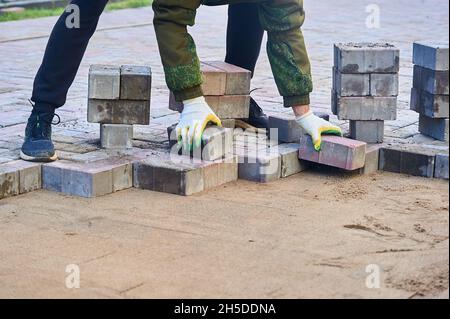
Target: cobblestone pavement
127, 36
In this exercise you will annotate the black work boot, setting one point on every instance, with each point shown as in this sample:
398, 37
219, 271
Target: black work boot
38, 145
256, 117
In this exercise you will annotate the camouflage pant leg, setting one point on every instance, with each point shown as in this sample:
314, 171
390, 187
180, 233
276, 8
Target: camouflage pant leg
176, 46
286, 49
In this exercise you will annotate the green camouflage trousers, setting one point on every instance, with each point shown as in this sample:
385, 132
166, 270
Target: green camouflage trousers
282, 19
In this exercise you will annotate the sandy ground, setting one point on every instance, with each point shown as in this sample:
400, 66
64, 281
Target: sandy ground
311, 235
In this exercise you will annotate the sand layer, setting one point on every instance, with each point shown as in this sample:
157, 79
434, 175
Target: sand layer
311, 235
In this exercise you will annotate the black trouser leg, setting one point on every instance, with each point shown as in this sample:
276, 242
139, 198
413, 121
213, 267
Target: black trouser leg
244, 35
63, 55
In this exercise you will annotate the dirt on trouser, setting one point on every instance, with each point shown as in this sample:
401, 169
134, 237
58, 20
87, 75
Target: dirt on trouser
316, 234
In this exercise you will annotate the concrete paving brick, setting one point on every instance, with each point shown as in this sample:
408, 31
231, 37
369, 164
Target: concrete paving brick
220, 172
230, 106
364, 108
122, 177
85, 179
89, 157
116, 136
431, 55
290, 163
384, 85
367, 131
336, 151
351, 84
135, 82
288, 129
323, 115
119, 112
104, 82
229, 123
225, 107
372, 160
431, 81
441, 166
412, 161
262, 166
79, 148
214, 80
162, 174
217, 142
367, 58
9, 181
238, 79
431, 105
28, 176
436, 128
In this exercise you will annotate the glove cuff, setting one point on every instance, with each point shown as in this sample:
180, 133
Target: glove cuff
194, 104
307, 114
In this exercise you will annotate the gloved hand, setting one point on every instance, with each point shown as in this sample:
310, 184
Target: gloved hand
316, 126
194, 118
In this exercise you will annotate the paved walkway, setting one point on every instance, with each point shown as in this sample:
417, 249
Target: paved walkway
127, 36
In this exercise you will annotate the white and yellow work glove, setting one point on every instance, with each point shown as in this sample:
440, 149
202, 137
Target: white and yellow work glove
194, 118
315, 126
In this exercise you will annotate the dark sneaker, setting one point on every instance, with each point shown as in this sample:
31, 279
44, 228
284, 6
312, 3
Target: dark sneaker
256, 117
38, 145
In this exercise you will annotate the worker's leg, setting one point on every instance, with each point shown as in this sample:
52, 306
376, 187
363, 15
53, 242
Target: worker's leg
63, 55
176, 46
286, 49
290, 63
244, 35
244, 38
62, 58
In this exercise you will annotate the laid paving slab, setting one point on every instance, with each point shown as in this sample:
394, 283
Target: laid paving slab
19, 177
9, 181
260, 166
87, 179
367, 131
413, 160
290, 163
441, 169
182, 175
372, 162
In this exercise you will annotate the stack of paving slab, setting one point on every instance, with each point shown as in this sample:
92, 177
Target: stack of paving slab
365, 88
430, 98
226, 88
119, 97
430, 92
